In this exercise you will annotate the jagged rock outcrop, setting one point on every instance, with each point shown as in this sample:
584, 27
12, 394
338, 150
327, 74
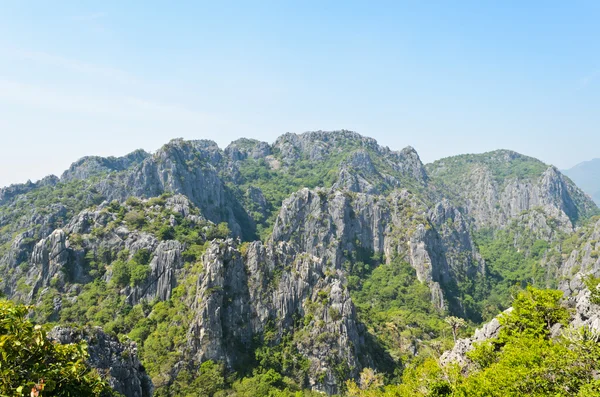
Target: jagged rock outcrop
359, 174
189, 168
166, 262
244, 148
222, 307
49, 260
334, 225
239, 298
319, 145
116, 361
587, 314
258, 200
582, 261
60, 259
13, 191
494, 205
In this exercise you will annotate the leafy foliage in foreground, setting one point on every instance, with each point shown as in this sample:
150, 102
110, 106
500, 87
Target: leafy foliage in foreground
523, 361
28, 360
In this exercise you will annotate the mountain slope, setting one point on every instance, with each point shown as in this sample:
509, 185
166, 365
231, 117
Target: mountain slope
324, 250
498, 186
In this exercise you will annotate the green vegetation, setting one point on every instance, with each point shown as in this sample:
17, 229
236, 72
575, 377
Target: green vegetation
74, 196
30, 362
273, 367
278, 184
593, 285
503, 164
397, 308
523, 361
454, 175
510, 267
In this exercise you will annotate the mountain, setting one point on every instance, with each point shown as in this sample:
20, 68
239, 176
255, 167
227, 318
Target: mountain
587, 176
309, 259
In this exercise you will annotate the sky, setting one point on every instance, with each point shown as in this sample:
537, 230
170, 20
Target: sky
446, 77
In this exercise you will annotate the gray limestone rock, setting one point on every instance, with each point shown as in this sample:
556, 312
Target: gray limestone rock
117, 361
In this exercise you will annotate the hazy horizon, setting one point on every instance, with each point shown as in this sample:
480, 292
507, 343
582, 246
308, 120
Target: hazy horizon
81, 79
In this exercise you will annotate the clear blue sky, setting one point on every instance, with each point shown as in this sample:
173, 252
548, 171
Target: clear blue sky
447, 77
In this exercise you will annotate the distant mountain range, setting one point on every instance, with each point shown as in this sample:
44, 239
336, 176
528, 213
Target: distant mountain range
587, 176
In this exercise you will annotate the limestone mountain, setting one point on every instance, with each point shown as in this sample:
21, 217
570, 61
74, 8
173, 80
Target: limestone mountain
314, 257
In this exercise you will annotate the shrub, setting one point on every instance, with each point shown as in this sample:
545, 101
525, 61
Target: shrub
30, 363
135, 219
121, 274
166, 233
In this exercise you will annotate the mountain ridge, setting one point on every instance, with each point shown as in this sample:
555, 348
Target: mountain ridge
307, 248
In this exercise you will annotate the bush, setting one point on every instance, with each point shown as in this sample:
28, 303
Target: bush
139, 274
135, 219
31, 362
166, 233
121, 274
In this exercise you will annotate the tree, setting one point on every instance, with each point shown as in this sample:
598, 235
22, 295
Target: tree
593, 285
455, 323
121, 273
31, 364
166, 233
370, 384
534, 312
208, 380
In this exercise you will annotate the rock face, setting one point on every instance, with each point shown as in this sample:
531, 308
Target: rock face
189, 168
299, 272
586, 314
332, 224
91, 166
583, 260
237, 300
58, 261
244, 148
498, 186
116, 361
49, 257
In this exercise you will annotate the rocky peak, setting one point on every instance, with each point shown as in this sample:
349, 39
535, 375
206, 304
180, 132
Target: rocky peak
12, 191
494, 188
244, 148
332, 225
241, 296
87, 167
200, 150
316, 145
408, 162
